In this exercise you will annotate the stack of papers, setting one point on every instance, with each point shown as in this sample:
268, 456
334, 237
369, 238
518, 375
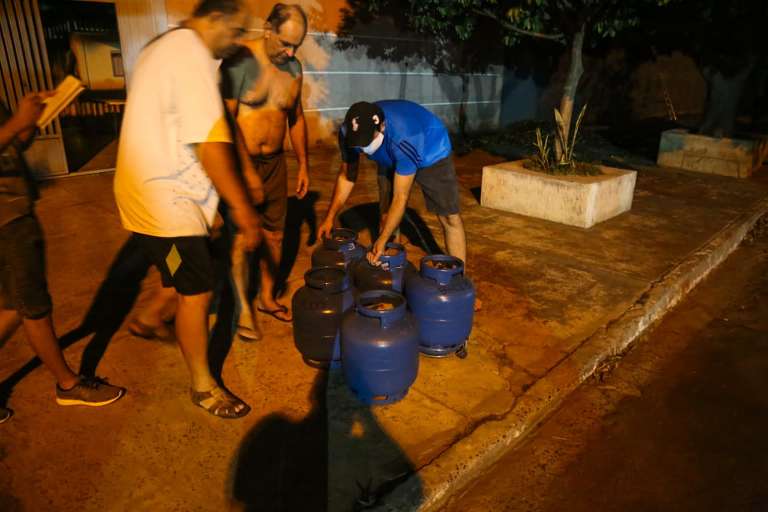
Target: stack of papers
65, 94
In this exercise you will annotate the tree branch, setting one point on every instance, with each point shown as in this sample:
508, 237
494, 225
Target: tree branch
509, 26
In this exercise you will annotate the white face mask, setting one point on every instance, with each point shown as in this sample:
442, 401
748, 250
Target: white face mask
374, 145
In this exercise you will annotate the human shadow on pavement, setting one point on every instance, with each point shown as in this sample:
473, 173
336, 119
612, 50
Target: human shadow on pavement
366, 216
224, 306
299, 212
476, 193
337, 458
110, 306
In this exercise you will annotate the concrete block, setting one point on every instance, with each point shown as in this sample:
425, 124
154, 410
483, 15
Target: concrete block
581, 201
738, 158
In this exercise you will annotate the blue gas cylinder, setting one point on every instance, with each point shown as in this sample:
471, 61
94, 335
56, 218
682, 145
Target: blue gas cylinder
318, 308
340, 249
379, 347
387, 276
442, 300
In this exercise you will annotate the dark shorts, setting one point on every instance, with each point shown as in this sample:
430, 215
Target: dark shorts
438, 183
22, 268
274, 174
184, 262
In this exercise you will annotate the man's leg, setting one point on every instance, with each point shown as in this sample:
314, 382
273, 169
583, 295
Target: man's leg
192, 334
24, 283
455, 238
42, 338
186, 263
269, 265
441, 194
9, 322
440, 186
274, 211
240, 271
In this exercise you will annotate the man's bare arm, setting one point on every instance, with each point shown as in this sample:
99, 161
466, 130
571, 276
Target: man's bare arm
9, 131
341, 190
401, 190
20, 127
218, 161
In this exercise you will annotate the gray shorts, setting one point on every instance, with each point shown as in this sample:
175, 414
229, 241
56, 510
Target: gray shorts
23, 286
438, 183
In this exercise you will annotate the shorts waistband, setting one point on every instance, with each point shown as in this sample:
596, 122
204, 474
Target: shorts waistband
267, 158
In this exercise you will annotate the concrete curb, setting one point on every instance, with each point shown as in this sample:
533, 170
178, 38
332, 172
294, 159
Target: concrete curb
431, 486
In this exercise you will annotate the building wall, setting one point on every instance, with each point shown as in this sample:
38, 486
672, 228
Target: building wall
94, 60
616, 88
334, 78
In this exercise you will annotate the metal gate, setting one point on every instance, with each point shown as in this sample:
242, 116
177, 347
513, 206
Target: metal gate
25, 68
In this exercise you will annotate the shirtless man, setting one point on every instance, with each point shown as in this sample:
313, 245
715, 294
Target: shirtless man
261, 86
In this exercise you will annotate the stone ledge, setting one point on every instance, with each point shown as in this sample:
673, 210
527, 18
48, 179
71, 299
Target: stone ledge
581, 201
737, 158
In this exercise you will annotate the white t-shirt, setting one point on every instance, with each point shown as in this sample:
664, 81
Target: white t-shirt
174, 101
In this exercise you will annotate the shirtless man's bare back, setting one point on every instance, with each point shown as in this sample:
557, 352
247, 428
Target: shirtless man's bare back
262, 88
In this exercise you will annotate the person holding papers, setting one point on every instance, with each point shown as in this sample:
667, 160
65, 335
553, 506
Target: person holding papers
24, 297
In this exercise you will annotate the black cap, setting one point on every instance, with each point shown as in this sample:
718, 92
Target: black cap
361, 122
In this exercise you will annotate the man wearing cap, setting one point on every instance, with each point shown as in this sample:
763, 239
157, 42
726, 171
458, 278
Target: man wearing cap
408, 143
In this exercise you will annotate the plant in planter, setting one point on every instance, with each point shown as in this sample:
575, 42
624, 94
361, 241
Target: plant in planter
542, 160
560, 189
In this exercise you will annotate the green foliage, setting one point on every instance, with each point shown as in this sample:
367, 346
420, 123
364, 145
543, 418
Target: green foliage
567, 145
541, 160
555, 20
541, 157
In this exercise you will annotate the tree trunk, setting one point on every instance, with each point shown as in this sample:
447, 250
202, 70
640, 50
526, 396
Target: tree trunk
575, 70
723, 95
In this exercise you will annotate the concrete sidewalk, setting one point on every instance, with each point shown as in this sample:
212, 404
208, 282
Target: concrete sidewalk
557, 302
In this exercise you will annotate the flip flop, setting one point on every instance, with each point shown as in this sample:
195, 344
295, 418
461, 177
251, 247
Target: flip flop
273, 313
5, 414
248, 334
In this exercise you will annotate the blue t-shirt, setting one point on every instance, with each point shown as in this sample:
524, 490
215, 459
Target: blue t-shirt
414, 138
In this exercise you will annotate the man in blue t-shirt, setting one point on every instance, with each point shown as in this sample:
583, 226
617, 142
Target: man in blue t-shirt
408, 143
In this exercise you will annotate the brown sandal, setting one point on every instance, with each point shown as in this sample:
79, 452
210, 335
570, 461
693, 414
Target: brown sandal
220, 402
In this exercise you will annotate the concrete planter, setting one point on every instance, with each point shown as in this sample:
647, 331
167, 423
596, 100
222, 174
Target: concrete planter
581, 201
738, 158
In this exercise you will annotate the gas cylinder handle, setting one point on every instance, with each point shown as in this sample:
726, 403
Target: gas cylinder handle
339, 237
442, 276
386, 317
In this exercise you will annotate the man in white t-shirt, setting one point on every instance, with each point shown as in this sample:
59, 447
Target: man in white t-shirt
175, 159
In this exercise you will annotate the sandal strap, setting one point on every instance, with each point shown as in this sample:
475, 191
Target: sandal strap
220, 402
